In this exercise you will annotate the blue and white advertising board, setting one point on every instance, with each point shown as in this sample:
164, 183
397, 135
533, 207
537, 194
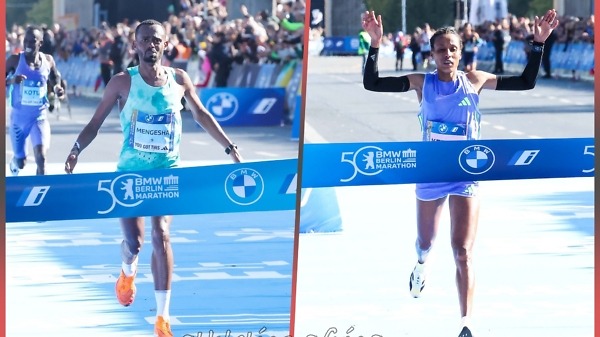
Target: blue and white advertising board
245, 106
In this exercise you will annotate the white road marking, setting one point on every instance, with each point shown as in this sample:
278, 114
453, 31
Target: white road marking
266, 154
312, 136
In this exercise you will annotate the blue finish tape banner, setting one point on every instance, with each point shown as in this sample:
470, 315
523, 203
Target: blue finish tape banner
242, 187
353, 164
245, 106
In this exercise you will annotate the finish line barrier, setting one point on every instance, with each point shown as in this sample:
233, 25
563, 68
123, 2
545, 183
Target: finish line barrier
271, 185
354, 164
241, 187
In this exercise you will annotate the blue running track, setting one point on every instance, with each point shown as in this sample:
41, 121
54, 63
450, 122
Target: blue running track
232, 272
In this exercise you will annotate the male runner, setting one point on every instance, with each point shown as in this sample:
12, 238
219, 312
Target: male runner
28, 74
144, 93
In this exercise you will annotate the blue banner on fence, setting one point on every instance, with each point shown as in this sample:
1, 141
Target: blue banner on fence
355, 164
243, 187
565, 56
245, 106
341, 45
297, 118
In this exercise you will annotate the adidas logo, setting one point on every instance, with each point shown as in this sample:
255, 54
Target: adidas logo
373, 57
464, 102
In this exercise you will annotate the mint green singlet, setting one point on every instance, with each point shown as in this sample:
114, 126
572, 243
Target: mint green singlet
151, 124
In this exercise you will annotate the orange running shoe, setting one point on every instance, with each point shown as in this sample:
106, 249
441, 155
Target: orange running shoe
125, 289
162, 328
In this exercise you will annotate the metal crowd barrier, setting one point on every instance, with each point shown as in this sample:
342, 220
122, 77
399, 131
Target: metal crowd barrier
83, 76
85, 73
564, 58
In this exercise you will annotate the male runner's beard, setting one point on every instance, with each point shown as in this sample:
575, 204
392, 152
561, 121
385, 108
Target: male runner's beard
151, 56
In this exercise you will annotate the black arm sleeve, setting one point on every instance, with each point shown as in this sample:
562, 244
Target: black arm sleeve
372, 81
528, 78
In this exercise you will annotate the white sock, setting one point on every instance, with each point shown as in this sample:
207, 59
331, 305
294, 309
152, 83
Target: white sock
465, 321
129, 269
163, 299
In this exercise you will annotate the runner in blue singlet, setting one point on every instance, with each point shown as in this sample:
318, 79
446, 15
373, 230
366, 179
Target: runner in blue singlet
28, 74
449, 111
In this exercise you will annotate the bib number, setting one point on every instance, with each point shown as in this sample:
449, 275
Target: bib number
33, 93
152, 132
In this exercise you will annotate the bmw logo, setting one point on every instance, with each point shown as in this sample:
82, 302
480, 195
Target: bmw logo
476, 159
223, 106
244, 186
443, 128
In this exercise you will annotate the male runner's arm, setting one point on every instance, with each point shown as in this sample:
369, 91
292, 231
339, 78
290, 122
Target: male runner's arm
11, 67
55, 76
203, 117
112, 93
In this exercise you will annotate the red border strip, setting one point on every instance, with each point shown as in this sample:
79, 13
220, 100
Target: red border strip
597, 194
3, 182
305, 41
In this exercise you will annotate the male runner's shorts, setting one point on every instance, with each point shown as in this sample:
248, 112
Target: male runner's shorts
38, 131
434, 191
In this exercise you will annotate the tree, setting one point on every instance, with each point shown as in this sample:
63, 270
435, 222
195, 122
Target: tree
518, 7
23, 12
529, 8
435, 12
539, 7
16, 11
41, 13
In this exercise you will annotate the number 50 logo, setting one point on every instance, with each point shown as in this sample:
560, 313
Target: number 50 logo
362, 160
124, 194
588, 150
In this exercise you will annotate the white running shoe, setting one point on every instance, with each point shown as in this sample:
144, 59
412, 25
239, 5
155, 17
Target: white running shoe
417, 280
14, 168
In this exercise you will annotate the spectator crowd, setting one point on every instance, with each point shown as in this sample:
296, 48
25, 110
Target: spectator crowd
499, 33
195, 32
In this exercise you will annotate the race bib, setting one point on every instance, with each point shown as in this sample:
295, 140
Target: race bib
33, 93
152, 132
445, 131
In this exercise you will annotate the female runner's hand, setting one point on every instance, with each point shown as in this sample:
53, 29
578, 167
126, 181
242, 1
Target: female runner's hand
373, 26
542, 28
